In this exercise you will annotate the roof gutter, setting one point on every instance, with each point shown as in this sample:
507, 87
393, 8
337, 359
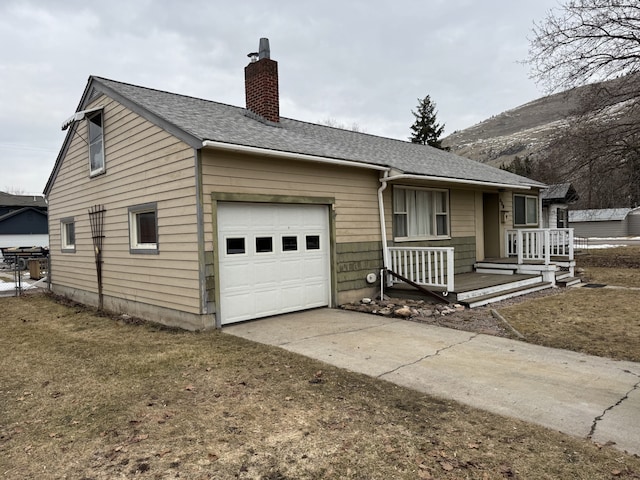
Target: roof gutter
407, 176
230, 147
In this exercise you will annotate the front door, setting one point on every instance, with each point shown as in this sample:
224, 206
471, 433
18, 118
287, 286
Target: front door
491, 225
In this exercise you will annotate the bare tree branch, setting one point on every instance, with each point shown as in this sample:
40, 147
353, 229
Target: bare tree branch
586, 41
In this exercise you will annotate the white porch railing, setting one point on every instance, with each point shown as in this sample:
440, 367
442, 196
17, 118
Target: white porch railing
428, 266
539, 244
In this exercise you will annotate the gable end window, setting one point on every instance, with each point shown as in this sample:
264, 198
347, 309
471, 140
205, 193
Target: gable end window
143, 229
420, 213
96, 144
68, 235
525, 210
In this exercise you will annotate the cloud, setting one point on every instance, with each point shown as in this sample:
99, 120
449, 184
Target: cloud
357, 62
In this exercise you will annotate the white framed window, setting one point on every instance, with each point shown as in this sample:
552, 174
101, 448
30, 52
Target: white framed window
525, 210
96, 144
143, 228
562, 220
68, 235
420, 213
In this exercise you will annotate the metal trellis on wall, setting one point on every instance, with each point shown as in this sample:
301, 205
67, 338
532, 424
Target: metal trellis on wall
96, 219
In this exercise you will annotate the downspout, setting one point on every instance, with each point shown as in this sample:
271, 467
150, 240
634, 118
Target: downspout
46, 200
383, 230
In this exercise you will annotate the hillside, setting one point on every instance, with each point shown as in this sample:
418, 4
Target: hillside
527, 129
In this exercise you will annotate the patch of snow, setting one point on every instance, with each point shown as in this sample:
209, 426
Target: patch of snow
7, 286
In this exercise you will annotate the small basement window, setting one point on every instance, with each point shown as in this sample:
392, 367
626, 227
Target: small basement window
143, 228
68, 235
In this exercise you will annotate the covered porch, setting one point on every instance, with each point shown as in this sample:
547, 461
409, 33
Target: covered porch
535, 259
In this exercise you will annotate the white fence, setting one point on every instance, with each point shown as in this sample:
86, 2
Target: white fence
427, 266
539, 244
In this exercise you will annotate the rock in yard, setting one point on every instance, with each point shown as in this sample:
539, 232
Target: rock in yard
404, 312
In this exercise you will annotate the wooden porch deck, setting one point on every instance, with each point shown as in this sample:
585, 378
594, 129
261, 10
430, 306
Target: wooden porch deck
467, 282
475, 289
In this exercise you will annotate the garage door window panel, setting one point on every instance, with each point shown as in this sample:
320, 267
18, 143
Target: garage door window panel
289, 244
236, 246
264, 244
313, 242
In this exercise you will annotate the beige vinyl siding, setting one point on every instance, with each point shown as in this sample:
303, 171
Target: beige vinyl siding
463, 220
354, 189
144, 164
506, 205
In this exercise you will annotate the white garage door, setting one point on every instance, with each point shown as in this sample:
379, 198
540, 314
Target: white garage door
274, 258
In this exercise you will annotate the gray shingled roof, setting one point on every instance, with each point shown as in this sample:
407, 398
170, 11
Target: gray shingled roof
10, 200
206, 120
598, 215
560, 191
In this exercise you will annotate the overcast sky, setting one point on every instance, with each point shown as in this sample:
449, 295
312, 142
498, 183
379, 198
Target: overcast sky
355, 62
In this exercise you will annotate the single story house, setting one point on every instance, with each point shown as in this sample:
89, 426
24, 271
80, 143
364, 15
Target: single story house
555, 205
23, 221
198, 214
606, 222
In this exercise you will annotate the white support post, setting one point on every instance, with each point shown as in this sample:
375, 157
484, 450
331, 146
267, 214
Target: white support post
547, 246
450, 270
519, 246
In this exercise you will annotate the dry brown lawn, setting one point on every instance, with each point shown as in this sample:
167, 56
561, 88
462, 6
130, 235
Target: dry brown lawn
84, 396
597, 321
625, 277
612, 266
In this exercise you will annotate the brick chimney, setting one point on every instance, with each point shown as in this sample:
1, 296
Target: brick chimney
261, 84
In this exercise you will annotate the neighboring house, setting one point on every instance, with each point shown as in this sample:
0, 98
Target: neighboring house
215, 214
23, 221
605, 222
633, 220
555, 205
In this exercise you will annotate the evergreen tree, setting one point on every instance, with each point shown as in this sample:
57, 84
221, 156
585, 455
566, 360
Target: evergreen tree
425, 129
519, 166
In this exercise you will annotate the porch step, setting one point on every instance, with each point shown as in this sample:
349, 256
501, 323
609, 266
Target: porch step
496, 268
568, 281
523, 281
504, 294
496, 271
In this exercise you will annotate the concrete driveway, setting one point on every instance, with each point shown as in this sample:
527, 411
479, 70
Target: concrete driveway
578, 394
